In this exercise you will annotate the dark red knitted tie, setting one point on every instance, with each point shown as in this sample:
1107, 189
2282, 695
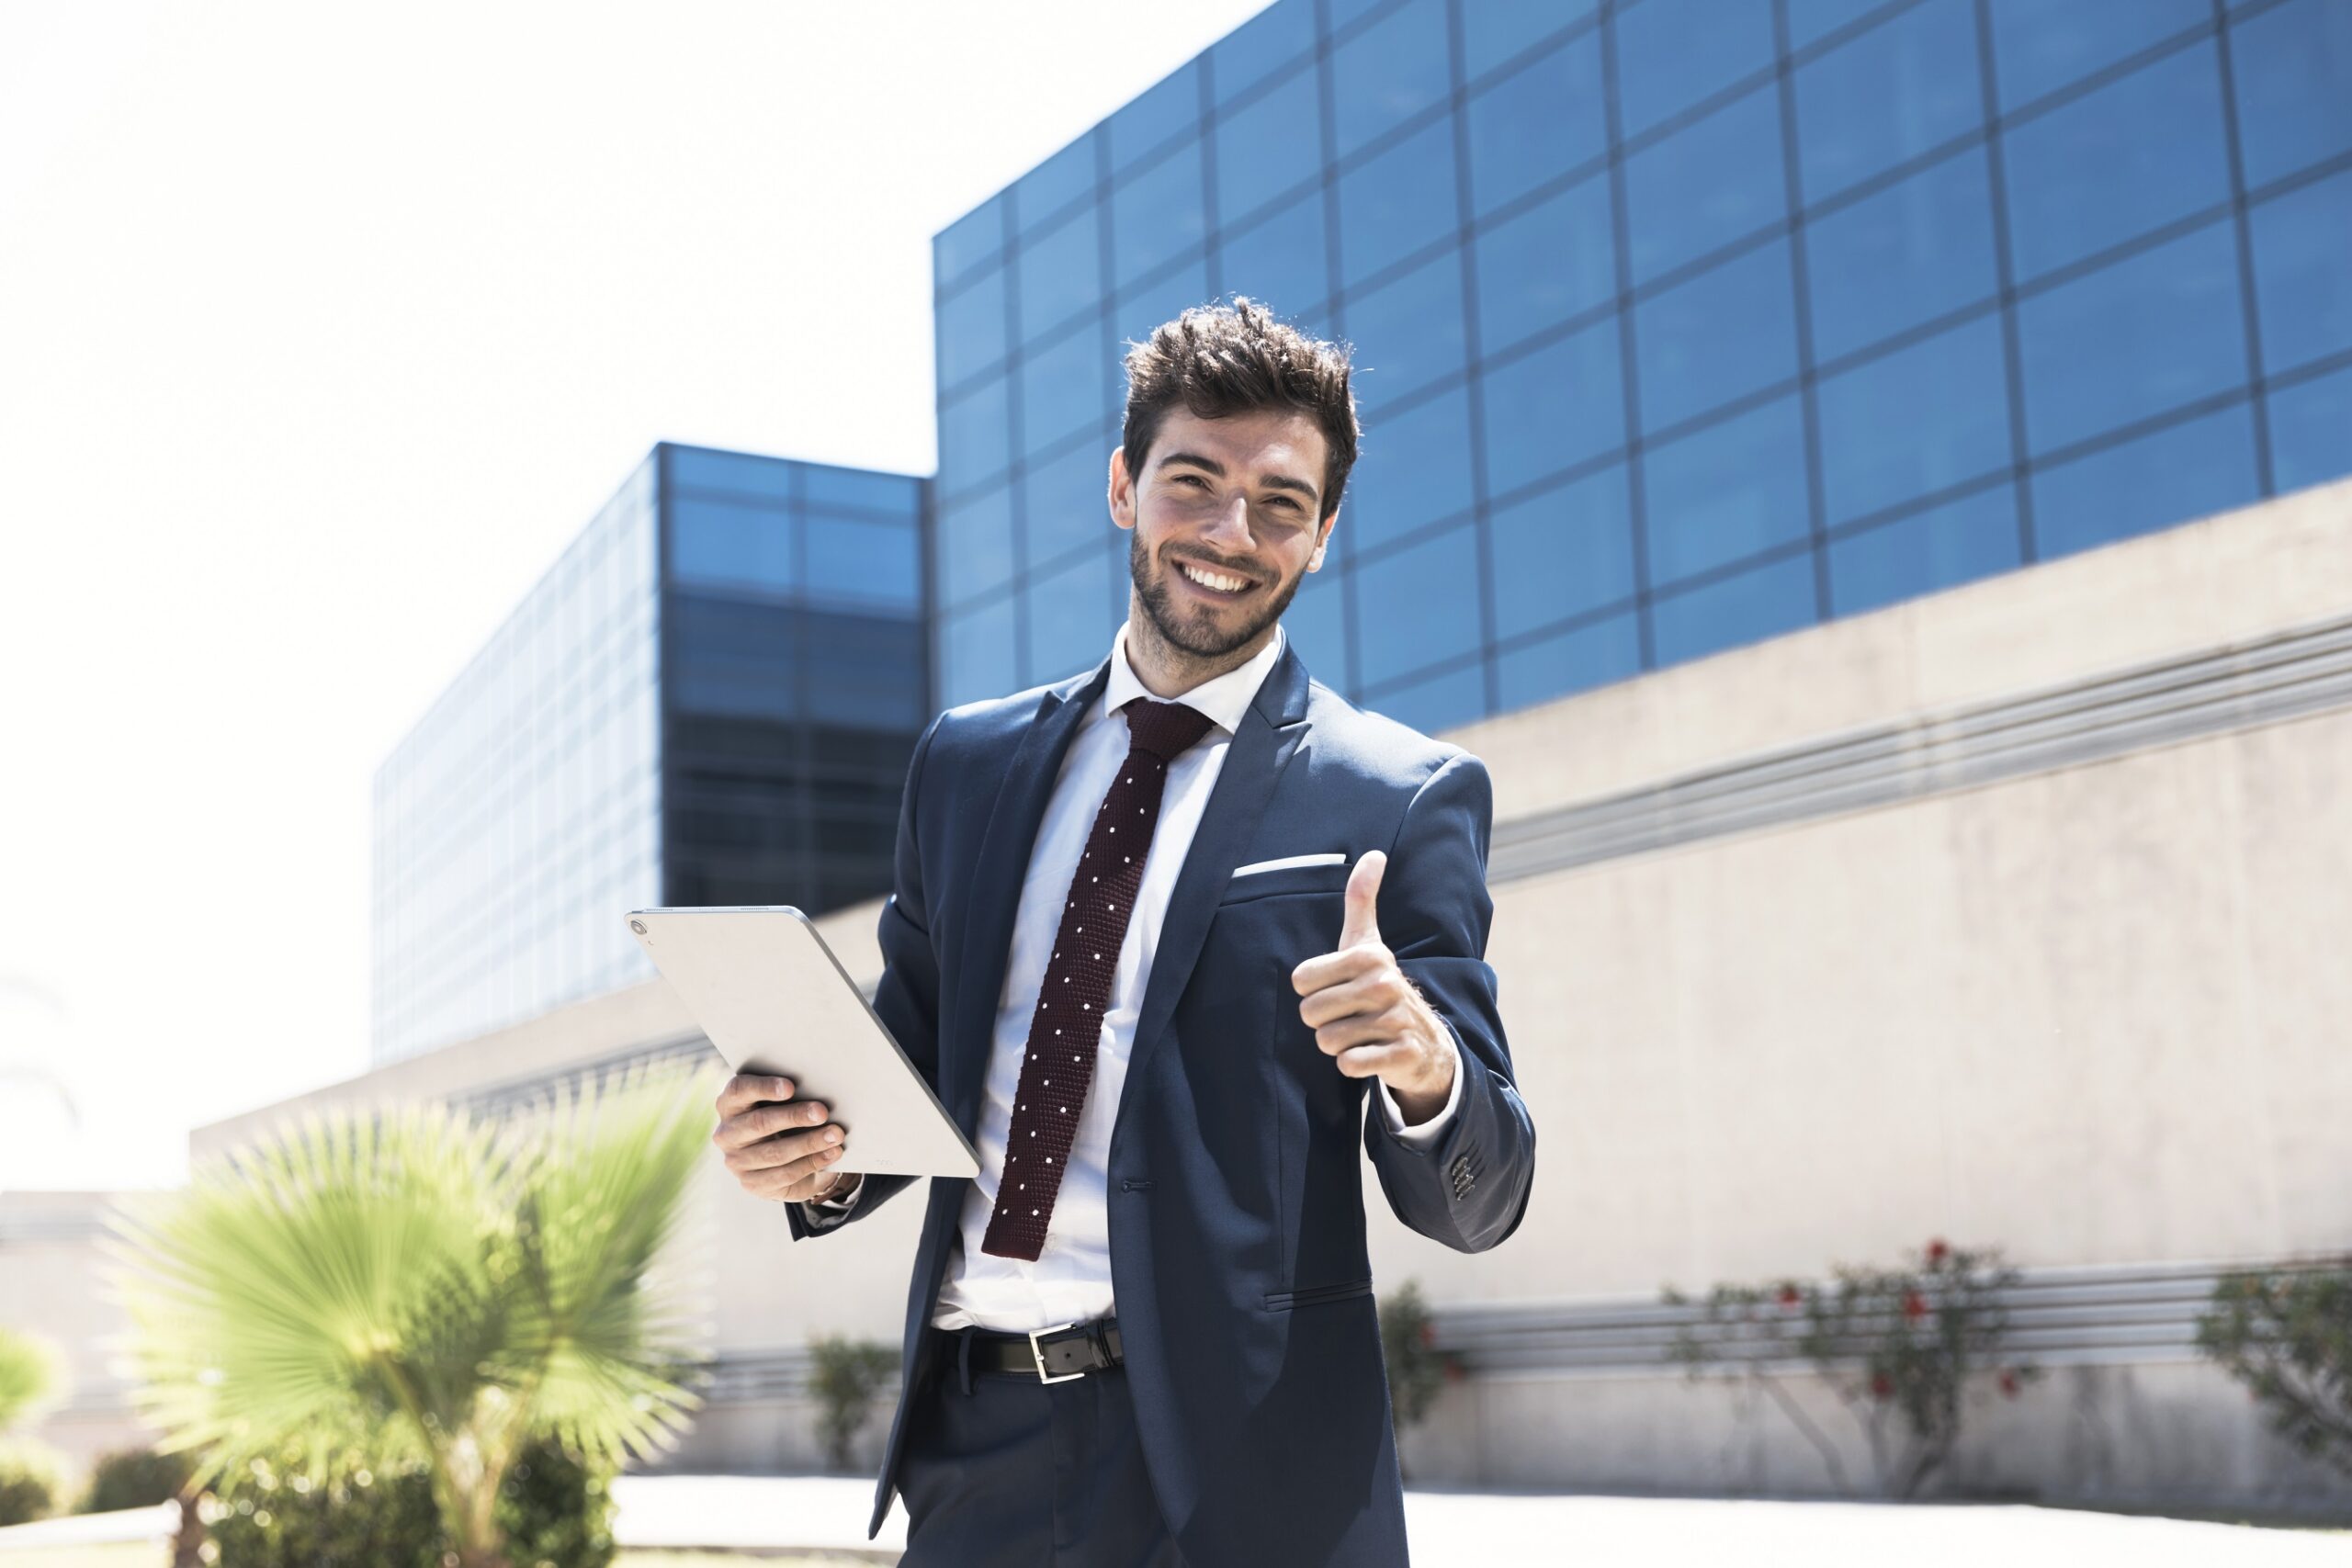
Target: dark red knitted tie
1068, 1023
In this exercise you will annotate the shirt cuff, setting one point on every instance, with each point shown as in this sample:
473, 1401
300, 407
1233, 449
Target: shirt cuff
838, 1205
1422, 1134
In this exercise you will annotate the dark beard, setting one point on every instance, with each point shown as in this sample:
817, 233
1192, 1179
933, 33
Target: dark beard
1203, 643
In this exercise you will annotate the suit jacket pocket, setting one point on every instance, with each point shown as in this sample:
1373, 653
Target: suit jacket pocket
1315, 1295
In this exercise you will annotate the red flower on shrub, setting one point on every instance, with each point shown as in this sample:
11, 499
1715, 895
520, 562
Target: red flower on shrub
1881, 1385
2009, 1381
1429, 1333
1937, 1250
1790, 1295
1915, 1305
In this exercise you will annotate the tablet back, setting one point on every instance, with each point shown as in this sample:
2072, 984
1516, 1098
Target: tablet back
774, 1000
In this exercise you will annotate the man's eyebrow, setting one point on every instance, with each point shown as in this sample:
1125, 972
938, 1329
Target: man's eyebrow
1275, 481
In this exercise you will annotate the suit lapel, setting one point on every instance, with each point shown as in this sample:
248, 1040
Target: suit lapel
997, 882
1270, 732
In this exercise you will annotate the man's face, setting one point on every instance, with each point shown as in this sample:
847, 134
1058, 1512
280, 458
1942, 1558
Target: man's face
1235, 498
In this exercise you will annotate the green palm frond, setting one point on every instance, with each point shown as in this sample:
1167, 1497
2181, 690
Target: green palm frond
32, 1377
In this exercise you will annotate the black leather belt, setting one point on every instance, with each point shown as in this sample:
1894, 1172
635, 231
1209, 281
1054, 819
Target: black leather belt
1057, 1354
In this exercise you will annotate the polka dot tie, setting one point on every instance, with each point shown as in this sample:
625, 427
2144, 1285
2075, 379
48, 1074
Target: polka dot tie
1068, 1024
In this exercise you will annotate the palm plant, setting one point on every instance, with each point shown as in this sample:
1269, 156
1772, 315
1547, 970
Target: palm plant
415, 1285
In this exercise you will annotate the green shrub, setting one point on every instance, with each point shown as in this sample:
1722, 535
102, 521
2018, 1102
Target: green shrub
845, 1375
554, 1511
2287, 1337
135, 1478
32, 1482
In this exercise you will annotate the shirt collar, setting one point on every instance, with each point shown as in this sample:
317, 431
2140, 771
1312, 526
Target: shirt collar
1224, 698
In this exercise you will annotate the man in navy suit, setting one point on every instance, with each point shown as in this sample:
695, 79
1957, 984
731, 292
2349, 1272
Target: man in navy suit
1304, 934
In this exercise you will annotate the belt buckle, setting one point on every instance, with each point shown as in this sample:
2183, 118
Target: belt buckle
1037, 1354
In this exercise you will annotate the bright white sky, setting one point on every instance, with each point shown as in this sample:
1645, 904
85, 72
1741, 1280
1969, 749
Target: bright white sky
322, 329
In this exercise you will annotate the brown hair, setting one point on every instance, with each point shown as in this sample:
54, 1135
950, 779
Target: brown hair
1219, 360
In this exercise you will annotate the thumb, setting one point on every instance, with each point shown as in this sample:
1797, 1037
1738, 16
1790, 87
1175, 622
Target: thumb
1363, 893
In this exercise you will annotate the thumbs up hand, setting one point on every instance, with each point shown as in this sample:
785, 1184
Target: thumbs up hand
1367, 1015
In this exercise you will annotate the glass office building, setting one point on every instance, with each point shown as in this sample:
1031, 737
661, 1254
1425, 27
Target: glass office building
710, 698
1677, 324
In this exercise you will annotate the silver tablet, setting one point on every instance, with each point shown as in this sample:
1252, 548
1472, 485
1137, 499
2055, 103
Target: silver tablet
774, 1000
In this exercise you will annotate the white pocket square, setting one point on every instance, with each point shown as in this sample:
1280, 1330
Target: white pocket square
1336, 857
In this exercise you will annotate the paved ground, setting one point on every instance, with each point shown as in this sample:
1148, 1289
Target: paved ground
1460, 1529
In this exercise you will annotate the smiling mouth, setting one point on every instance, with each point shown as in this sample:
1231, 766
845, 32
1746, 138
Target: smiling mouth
1214, 584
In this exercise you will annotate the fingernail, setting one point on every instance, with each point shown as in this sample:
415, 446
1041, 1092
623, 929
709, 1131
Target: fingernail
833, 1134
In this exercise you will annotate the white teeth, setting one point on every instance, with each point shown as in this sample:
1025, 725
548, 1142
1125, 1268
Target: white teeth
1214, 579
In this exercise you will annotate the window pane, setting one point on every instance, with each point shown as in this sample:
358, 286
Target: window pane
973, 239
1156, 116
1887, 96
1906, 255
870, 564
1705, 185
1728, 492
1442, 702
971, 328
1720, 336
1589, 655
2039, 46
740, 473
1269, 146
1061, 388
1061, 274
1281, 259
1555, 260
719, 544
2311, 432
1494, 30
974, 439
1743, 609
861, 489
1408, 332
975, 545
1315, 624
1411, 469
1398, 202
1065, 503
1389, 73
1069, 619
2302, 273
2292, 66
1275, 37
2149, 334
1158, 215
1940, 547
1812, 19
1053, 184
1135, 316
2132, 156
976, 655
1918, 421
2177, 473
1551, 409
1418, 605
1671, 54
1563, 552
1537, 123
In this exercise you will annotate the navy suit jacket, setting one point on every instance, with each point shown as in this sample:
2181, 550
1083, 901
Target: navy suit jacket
1243, 1285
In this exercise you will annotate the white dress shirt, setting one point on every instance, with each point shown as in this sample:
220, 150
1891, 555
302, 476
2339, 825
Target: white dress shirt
1070, 1279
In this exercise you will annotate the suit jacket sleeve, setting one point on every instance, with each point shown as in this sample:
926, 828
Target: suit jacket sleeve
1469, 1187
906, 999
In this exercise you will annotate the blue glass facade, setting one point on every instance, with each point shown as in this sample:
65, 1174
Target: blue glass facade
1679, 323
710, 698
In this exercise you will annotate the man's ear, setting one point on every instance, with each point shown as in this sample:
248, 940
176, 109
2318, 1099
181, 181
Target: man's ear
1122, 493
1315, 561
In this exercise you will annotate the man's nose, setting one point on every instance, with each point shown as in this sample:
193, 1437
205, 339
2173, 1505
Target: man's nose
1230, 530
